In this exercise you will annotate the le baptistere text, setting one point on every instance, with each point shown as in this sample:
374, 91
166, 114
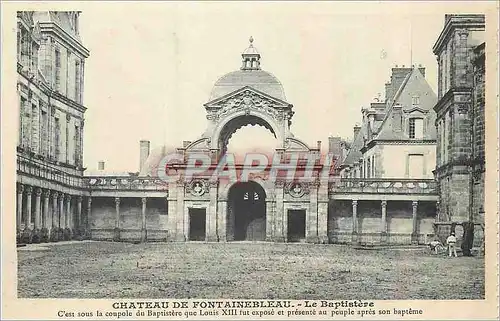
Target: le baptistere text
249, 308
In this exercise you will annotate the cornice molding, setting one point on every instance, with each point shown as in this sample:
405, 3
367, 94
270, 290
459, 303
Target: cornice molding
55, 30
474, 21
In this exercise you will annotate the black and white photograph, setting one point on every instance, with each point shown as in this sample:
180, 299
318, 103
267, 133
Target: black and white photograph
250, 160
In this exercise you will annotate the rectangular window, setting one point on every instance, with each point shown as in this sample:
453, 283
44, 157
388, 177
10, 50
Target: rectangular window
411, 130
34, 128
22, 132
416, 128
57, 138
415, 166
77, 145
77, 82
44, 138
415, 100
58, 70
368, 168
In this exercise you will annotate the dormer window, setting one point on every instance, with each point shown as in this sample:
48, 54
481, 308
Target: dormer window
415, 100
416, 128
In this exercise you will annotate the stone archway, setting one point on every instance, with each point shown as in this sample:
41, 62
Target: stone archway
228, 126
246, 212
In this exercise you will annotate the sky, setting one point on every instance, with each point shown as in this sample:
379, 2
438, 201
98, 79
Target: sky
152, 66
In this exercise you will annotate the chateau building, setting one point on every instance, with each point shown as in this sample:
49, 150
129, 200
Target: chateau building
460, 168
394, 144
383, 190
50, 66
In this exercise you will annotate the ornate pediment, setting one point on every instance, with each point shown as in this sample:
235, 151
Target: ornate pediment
248, 99
416, 109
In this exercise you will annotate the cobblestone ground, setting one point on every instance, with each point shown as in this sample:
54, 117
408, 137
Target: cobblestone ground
243, 270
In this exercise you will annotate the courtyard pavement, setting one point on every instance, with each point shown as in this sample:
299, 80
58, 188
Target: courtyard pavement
243, 271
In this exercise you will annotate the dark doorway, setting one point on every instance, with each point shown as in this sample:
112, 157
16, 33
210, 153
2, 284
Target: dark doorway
197, 224
246, 212
296, 226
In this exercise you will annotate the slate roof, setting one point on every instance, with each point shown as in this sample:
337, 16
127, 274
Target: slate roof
258, 79
414, 83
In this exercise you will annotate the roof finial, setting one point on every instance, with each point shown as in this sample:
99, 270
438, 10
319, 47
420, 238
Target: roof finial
251, 40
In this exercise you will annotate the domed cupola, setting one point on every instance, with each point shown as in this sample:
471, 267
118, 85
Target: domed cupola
251, 58
250, 74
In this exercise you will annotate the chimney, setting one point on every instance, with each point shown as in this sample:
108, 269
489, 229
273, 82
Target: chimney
397, 118
318, 144
334, 146
357, 128
398, 76
100, 165
144, 153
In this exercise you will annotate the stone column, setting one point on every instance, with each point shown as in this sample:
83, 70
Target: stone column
143, 220
117, 219
172, 212
222, 220
323, 213
414, 234
89, 216
354, 221
19, 217
79, 224
38, 208
323, 222
27, 223
62, 212
312, 215
279, 214
383, 222
46, 215
269, 220
55, 216
211, 231
69, 215
182, 226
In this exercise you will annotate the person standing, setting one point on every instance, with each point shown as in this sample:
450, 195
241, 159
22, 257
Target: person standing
451, 241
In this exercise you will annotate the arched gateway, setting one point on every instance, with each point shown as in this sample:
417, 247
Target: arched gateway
206, 207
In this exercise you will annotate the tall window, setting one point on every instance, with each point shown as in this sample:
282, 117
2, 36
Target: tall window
58, 70
77, 82
368, 168
34, 128
416, 128
415, 100
44, 138
77, 145
57, 138
21, 129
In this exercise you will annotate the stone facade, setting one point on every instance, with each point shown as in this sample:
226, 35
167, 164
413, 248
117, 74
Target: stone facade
50, 64
365, 201
460, 121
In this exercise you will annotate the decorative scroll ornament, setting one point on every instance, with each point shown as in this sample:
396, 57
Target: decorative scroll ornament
197, 187
297, 190
247, 100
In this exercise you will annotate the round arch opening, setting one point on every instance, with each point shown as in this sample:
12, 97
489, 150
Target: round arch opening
233, 125
246, 212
